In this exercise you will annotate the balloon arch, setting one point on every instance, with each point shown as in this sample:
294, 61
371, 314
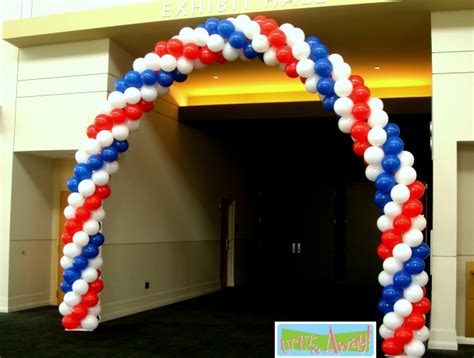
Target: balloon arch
375, 139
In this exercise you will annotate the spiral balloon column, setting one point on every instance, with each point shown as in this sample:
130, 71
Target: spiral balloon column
375, 139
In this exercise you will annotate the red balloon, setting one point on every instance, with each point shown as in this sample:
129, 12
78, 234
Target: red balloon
284, 54
133, 111
175, 47
93, 202
206, 56
72, 226
415, 321
417, 189
290, 69
361, 111
259, 18
191, 51
403, 335
90, 298
103, 191
412, 208
360, 93
391, 348
146, 106
360, 130
423, 306
303, 80
161, 48
103, 122
79, 311
401, 224
219, 57
277, 38
383, 251
356, 80
359, 148
117, 116
268, 26
66, 238
82, 213
70, 322
92, 131
390, 238
96, 286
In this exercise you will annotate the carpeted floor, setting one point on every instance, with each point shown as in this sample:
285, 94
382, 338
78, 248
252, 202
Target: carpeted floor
230, 323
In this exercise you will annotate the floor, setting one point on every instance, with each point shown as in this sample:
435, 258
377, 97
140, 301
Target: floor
230, 323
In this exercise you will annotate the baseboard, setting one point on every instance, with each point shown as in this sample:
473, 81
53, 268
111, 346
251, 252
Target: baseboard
445, 339
127, 307
465, 340
23, 302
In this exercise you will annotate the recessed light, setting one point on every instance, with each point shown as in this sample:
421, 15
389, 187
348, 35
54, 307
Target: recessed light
215, 77
377, 68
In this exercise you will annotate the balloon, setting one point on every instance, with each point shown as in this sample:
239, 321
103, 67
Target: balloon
72, 226
250, 53
422, 251
211, 25
359, 130
72, 298
120, 145
95, 162
420, 279
390, 238
148, 77
361, 111
391, 265
225, 28
65, 262
377, 118
402, 252
96, 286
392, 130
392, 321
377, 136
403, 307
86, 187
90, 322
161, 48
109, 154
89, 274
66, 238
97, 239
359, 147
64, 309
318, 51
82, 171
90, 251
393, 145
100, 177
312, 40
120, 85
132, 95
380, 199
95, 310
343, 87
96, 262
401, 279
328, 104
133, 79
384, 223
323, 67
117, 99
80, 286
356, 80
93, 202
421, 335
70, 322
385, 332
283, 54
412, 208
401, 224
372, 171
384, 306
267, 26
117, 115
277, 38
237, 39
79, 311
413, 238
415, 321
343, 106
90, 298
392, 209
383, 251
341, 71
345, 124
91, 131
391, 163
391, 294
73, 184
423, 306
175, 47
400, 193
304, 68
164, 78
414, 265
403, 335
65, 286
385, 278
384, 182
413, 293
360, 94
417, 189
152, 62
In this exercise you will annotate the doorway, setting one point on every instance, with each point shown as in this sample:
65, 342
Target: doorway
227, 207
62, 205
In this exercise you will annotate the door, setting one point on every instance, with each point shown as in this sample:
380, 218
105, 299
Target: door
227, 227
62, 205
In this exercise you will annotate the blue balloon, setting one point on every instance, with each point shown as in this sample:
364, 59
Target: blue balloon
391, 163
249, 52
148, 77
414, 265
237, 39
384, 306
380, 199
201, 25
318, 52
73, 184
385, 182
65, 287
164, 78
133, 79
82, 171
97, 239
80, 262
325, 86
392, 130
95, 162
90, 251
391, 293
422, 251
323, 67
393, 145
120, 145
120, 85
402, 279
211, 25
71, 274
328, 103
312, 41
178, 76
109, 154
225, 28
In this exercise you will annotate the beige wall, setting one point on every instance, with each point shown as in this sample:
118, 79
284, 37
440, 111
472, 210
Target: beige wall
453, 115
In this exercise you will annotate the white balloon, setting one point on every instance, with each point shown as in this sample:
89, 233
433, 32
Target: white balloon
375, 103
105, 107
71, 298
301, 50
305, 68
65, 262
75, 200
215, 43
72, 250
139, 64
251, 30
294, 35
260, 43
89, 274
403, 307
200, 36
133, 125
391, 265
373, 171
117, 99
418, 222
286, 28
345, 124
101, 177
405, 175
90, 322
374, 155
413, 293
80, 238
343, 106
96, 262
311, 83
406, 159
120, 131
378, 118
91, 146
392, 321
86, 187
111, 167
105, 138
64, 309
384, 223
81, 156
422, 335
415, 348
400, 193
149, 93
186, 35
241, 21
392, 209
377, 136
95, 310
230, 53
385, 332
132, 95
185, 66
343, 87
91, 227
69, 212
341, 71
269, 57
80, 287
335, 59
98, 215
152, 61
420, 279
163, 91
168, 63
385, 278
401, 252
413, 237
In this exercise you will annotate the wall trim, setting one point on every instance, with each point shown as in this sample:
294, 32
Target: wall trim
128, 307
23, 302
445, 339
465, 340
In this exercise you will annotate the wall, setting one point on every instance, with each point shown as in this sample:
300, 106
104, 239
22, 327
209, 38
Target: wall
453, 114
